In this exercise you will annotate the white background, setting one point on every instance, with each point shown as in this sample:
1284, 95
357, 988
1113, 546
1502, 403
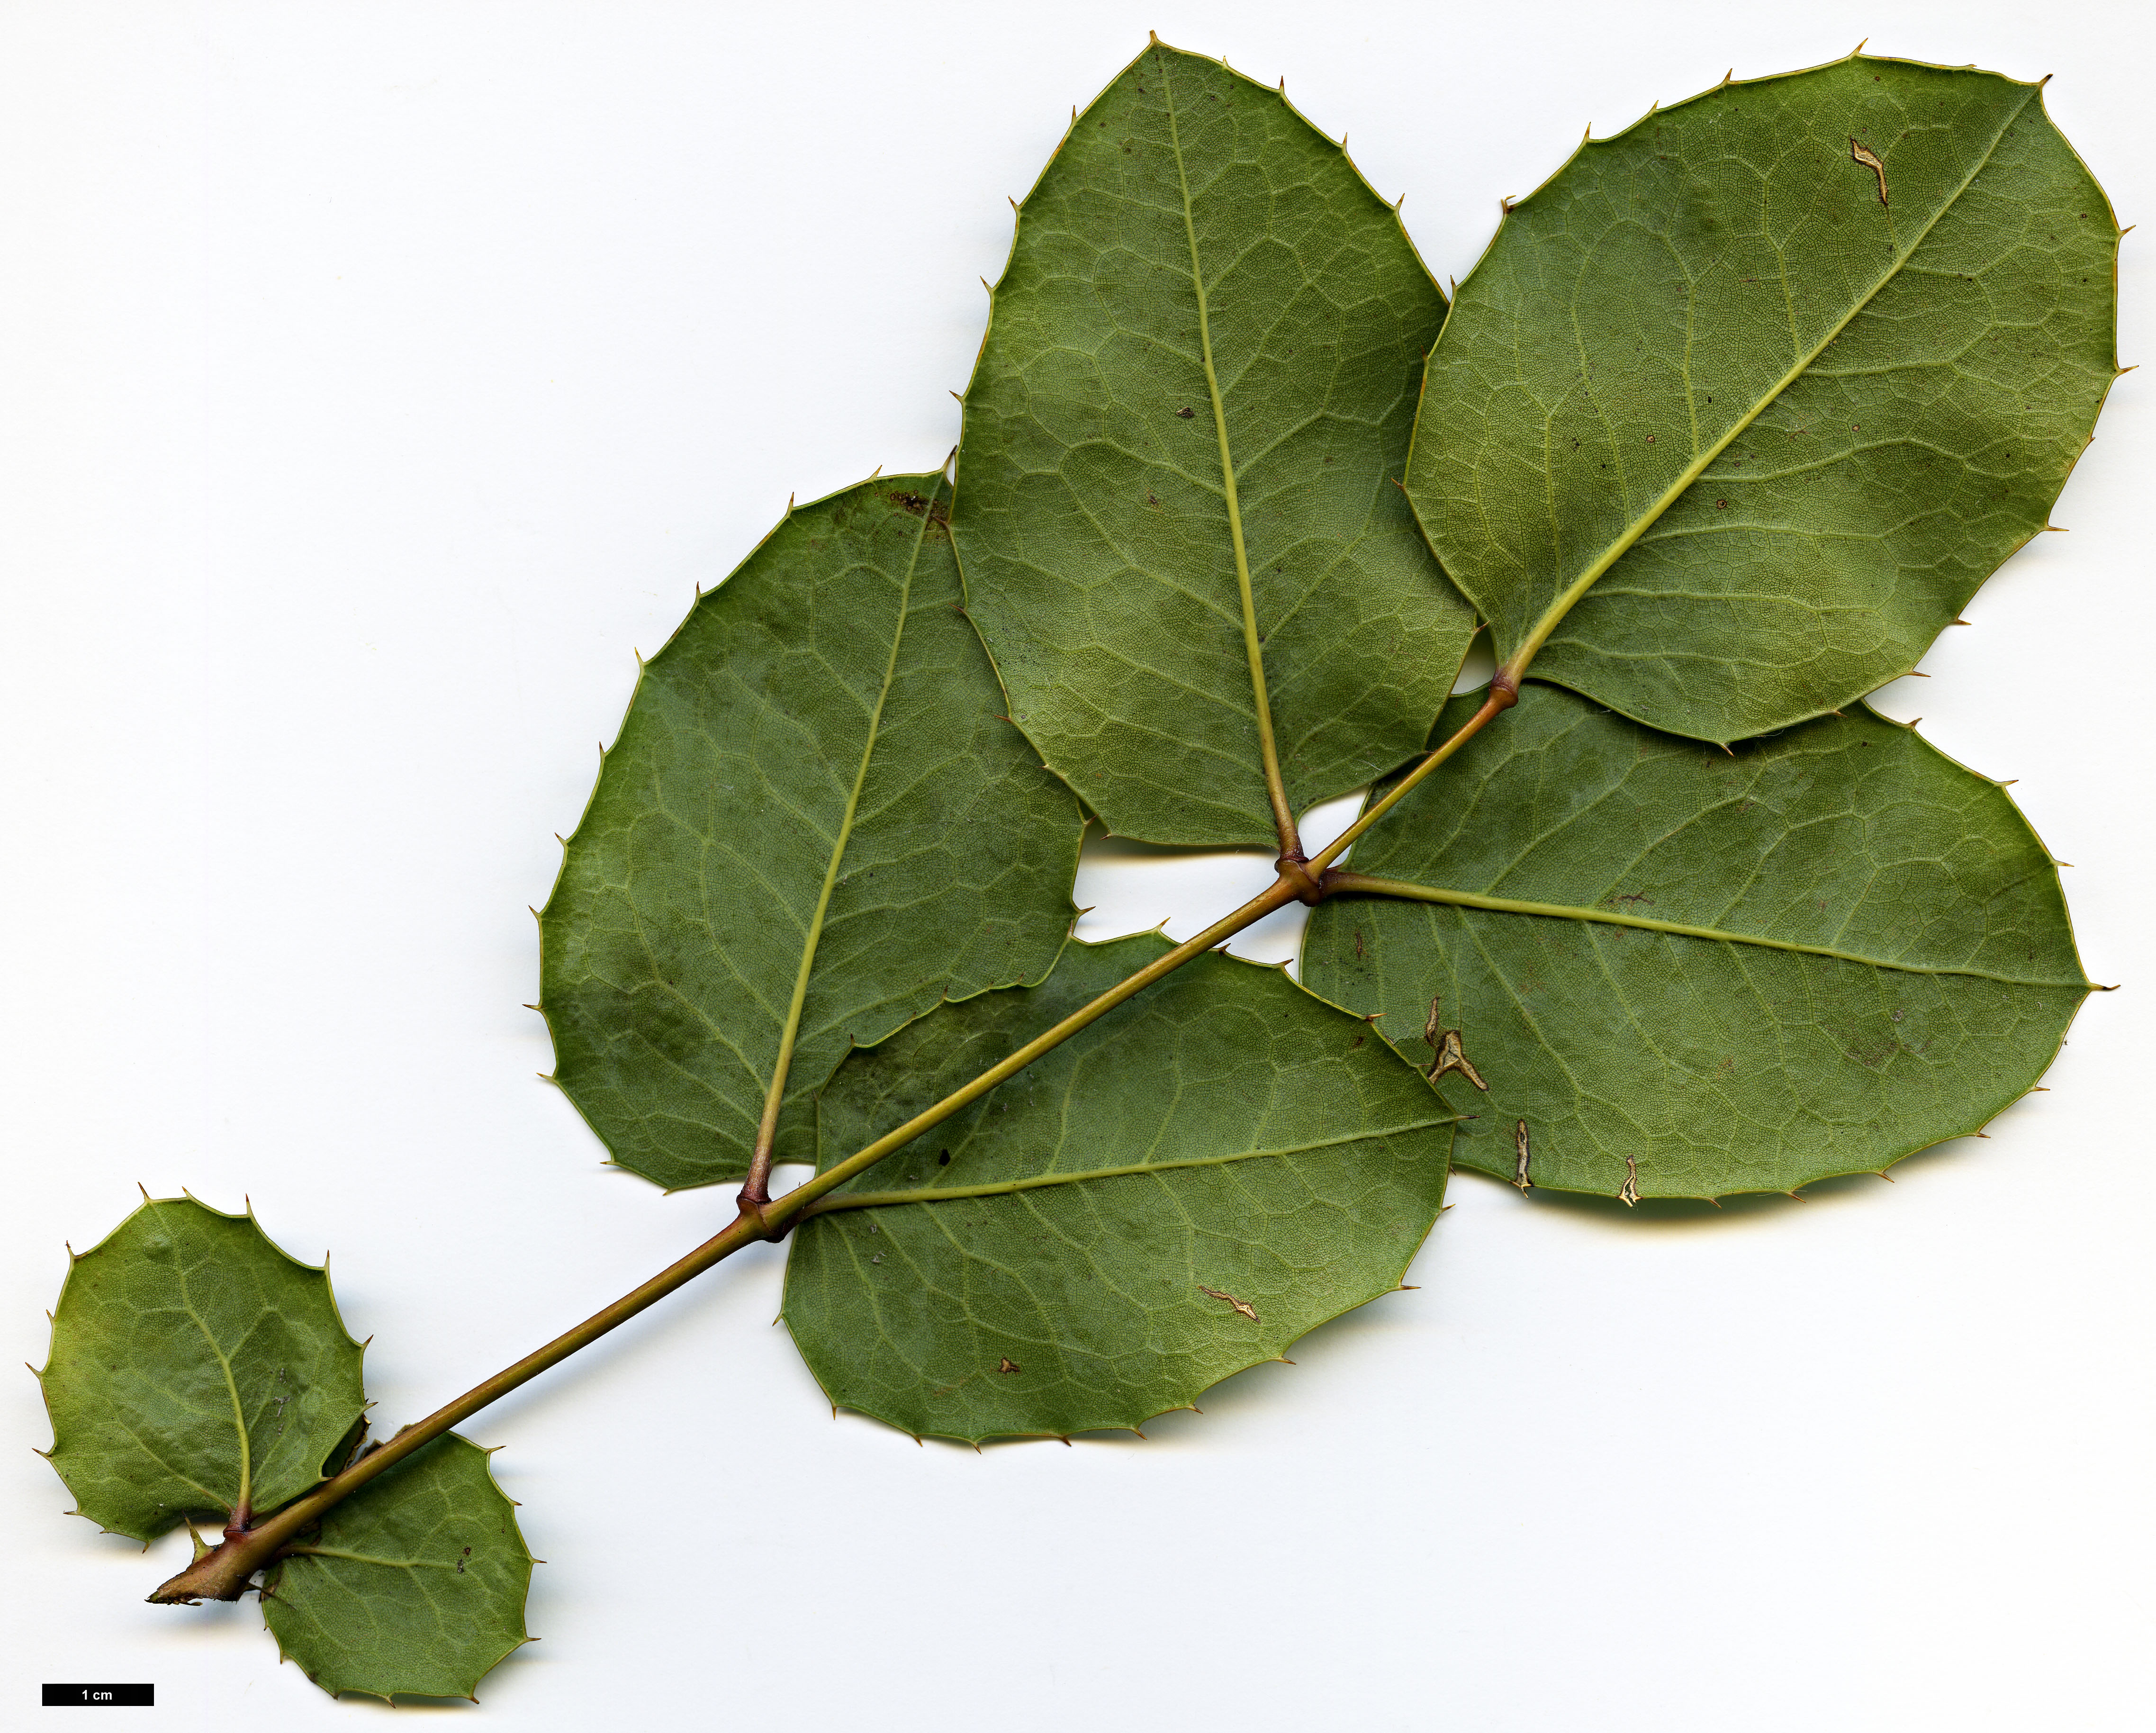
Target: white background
377, 375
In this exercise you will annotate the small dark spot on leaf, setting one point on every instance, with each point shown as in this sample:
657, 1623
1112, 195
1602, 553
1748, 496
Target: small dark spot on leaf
1185, 414
944, 1159
1007, 1366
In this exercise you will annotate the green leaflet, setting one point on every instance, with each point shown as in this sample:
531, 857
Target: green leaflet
823, 726
1209, 325
195, 1369
1287, 1166
1682, 1065
1739, 439
415, 1586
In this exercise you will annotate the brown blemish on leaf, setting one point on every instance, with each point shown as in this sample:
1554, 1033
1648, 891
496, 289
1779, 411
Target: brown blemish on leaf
1859, 153
1447, 1053
1519, 1153
1007, 1366
1628, 1194
932, 509
1244, 1306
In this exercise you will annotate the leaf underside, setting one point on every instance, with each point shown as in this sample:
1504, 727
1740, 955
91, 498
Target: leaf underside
194, 1368
1895, 963
415, 1586
1118, 429
1804, 425
824, 723
1289, 1165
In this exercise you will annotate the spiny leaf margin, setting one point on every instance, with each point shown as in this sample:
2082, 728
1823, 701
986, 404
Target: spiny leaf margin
136, 1457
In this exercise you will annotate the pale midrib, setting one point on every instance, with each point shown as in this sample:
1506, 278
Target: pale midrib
1253, 648
1003, 1188
231, 1384
1553, 616
767, 1133
1564, 911
360, 1558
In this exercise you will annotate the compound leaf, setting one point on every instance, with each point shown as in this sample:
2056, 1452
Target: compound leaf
1686, 972
816, 824
1174, 1194
1744, 403
1201, 365
195, 1369
415, 1585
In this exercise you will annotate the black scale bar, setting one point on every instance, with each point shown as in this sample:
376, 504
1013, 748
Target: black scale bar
101, 1696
